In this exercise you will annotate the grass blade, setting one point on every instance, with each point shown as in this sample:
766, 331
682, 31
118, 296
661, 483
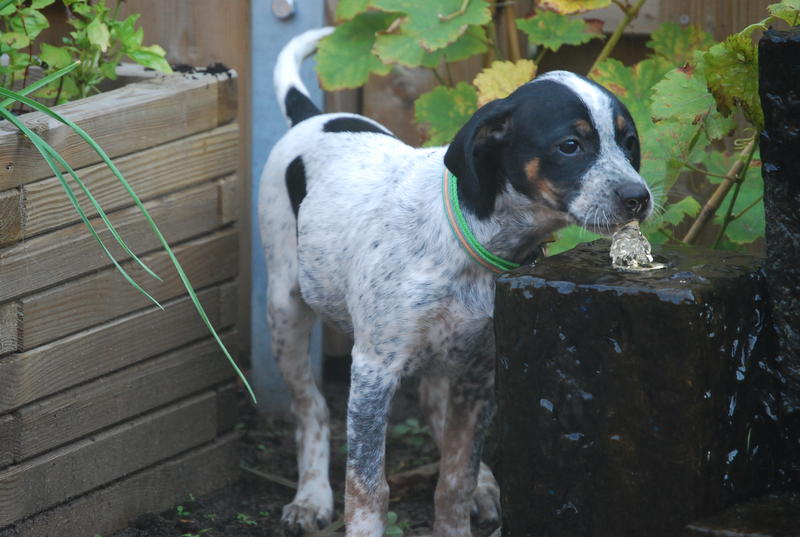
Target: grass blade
39, 83
184, 279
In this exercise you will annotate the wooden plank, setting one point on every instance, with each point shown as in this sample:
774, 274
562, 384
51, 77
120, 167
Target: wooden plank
112, 399
98, 298
228, 304
149, 113
9, 328
11, 216
227, 407
718, 17
59, 475
9, 434
230, 196
70, 252
31, 375
105, 510
153, 172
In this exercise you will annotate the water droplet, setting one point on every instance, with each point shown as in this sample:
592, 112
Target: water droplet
544, 403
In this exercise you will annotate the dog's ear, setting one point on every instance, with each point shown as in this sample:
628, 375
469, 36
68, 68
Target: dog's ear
475, 155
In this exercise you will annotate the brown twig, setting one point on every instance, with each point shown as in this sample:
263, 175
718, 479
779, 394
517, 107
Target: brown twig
716, 199
514, 51
631, 13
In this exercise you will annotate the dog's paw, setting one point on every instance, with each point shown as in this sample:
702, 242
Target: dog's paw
486, 498
302, 516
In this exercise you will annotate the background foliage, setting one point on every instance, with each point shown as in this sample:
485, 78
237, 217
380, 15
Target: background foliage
694, 100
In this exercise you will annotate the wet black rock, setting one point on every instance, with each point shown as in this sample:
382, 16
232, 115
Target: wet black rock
779, 88
769, 516
631, 404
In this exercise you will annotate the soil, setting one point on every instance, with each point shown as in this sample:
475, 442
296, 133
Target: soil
252, 506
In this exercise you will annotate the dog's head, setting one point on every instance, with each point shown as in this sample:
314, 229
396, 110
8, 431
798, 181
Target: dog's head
561, 140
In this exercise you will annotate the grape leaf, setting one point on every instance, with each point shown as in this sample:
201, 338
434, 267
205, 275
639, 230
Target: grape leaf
405, 49
345, 59
677, 44
551, 30
347, 9
501, 78
676, 212
788, 10
731, 69
682, 95
436, 24
569, 237
445, 110
568, 7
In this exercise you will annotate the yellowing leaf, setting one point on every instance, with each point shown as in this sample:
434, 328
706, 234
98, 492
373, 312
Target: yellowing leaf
552, 30
98, 34
788, 10
568, 7
502, 78
677, 44
444, 111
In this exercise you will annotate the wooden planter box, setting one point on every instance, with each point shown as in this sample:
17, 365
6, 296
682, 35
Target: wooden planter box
110, 407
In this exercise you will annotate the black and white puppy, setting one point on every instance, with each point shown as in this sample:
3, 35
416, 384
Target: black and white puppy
355, 231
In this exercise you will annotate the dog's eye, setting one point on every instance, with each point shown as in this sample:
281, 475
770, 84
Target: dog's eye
630, 143
569, 147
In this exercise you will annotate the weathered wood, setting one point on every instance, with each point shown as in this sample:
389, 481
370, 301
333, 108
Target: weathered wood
72, 251
9, 432
153, 172
152, 112
10, 216
97, 298
107, 509
228, 303
9, 328
35, 485
718, 17
31, 375
117, 397
227, 407
230, 200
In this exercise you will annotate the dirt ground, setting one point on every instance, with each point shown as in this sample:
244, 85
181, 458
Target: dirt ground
252, 506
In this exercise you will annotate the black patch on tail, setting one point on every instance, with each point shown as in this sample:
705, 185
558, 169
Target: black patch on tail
299, 106
296, 183
352, 124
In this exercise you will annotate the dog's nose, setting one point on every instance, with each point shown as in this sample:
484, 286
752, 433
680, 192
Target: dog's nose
635, 199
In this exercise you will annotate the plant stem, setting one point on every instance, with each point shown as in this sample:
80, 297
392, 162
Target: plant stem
630, 13
539, 56
716, 199
729, 213
699, 170
514, 51
741, 213
435, 72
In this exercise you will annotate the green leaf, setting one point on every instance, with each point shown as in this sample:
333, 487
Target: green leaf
29, 22
676, 212
788, 10
347, 9
127, 33
568, 7
98, 34
683, 96
39, 4
445, 110
750, 225
552, 30
677, 44
16, 40
150, 59
731, 69
569, 237
54, 56
8, 7
405, 49
345, 59
436, 24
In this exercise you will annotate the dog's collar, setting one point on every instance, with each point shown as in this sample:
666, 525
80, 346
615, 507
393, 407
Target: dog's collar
463, 233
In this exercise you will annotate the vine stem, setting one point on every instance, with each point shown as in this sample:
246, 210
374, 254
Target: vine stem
630, 13
514, 51
716, 199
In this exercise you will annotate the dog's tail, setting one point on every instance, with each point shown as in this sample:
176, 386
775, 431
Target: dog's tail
289, 88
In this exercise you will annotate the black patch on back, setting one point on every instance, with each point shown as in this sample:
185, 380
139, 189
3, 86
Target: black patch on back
296, 183
352, 124
299, 107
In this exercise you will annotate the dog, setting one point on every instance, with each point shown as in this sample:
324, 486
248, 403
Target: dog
358, 228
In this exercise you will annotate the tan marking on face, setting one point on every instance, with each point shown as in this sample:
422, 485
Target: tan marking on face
583, 127
540, 185
621, 123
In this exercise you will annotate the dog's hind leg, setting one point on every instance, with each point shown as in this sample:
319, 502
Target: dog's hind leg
434, 392
470, 406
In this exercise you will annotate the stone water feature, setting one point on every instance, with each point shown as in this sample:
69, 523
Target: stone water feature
635, 404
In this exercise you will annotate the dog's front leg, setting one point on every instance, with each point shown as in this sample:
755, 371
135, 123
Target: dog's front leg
469, 412
367, 493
